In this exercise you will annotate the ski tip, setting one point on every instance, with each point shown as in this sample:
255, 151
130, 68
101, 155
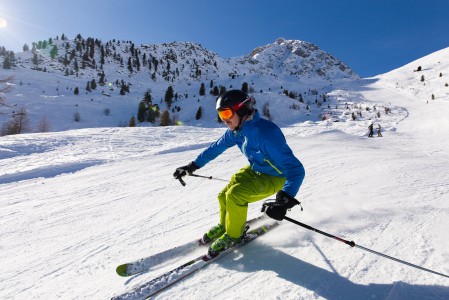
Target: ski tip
121, 270
206, 257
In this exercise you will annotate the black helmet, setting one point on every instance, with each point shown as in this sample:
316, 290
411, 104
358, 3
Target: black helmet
231, 99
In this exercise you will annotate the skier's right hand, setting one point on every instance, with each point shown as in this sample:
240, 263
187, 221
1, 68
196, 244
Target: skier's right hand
184, 170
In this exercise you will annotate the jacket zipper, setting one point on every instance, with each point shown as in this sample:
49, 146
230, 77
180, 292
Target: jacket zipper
269, 162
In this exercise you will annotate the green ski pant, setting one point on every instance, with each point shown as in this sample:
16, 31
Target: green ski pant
246, 186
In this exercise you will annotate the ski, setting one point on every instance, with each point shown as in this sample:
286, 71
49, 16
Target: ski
161, 258
169, 278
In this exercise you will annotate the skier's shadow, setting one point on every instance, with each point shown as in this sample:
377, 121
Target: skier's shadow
162, 259
327, 284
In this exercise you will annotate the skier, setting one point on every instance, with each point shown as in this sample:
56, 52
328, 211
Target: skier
379, 134
371, 130
272, 168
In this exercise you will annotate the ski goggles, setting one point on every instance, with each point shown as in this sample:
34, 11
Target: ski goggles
227, 113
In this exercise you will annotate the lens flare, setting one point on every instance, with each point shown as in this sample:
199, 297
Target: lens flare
3, 23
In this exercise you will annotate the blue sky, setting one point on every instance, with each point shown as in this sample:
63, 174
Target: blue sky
371, 36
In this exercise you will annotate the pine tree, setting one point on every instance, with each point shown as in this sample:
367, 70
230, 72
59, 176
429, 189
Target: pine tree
141, 111
124, 88
54, 52
101, 80
66, 62
152, 113
76, 91
132, 122
72, 54
198, 113
130, 65
147, 97
93, 84
35, 59
102, 55
85, 60
169, 96
137, 62
7, 63
245, 87
202, 91
75, 65
77, 117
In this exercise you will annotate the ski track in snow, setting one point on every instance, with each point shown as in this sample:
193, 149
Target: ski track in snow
76, 204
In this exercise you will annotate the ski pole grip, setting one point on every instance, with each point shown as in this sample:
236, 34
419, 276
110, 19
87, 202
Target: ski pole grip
182, 181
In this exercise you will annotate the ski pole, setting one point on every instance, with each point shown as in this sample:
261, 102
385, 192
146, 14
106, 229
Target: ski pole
353, 244
207, 177
200, 176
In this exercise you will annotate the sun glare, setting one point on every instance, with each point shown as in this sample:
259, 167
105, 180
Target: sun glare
3, 23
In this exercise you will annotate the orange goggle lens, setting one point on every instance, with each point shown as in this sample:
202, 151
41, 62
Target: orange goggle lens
225, 113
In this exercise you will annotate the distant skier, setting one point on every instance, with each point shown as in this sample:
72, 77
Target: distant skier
379, 133
272, 168
371, 130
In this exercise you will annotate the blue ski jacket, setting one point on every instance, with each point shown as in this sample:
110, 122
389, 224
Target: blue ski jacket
265, 147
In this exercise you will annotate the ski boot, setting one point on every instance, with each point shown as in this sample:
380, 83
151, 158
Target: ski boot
221, 244
213, 233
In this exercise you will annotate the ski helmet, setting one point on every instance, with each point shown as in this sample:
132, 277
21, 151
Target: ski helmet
237, 101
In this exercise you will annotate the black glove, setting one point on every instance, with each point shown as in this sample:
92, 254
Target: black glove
182, 171
286, 199
278, 209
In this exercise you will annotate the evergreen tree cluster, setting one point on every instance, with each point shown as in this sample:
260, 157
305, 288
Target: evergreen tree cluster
91, 85
147, 111
9, 59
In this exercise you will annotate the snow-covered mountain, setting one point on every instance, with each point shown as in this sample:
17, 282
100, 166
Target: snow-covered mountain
293, 57
183, 60
44, 80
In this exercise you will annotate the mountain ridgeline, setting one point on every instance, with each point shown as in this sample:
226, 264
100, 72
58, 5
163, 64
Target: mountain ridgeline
176, 61
165, 84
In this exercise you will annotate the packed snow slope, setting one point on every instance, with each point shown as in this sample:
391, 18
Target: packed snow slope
75, 204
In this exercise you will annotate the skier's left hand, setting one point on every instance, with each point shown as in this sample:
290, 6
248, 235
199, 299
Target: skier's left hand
285, 199
278, 209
